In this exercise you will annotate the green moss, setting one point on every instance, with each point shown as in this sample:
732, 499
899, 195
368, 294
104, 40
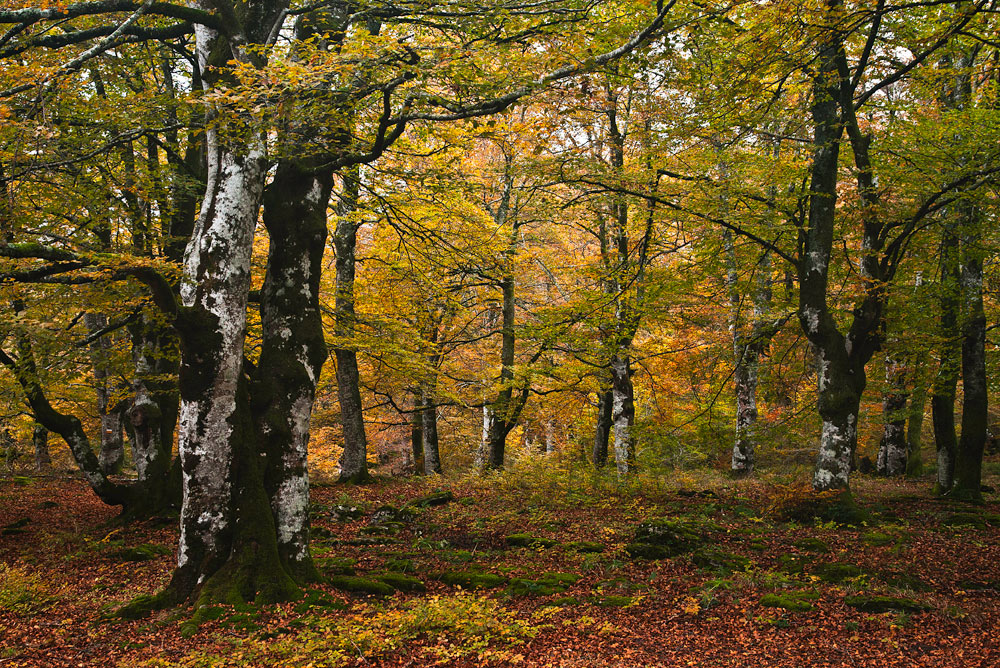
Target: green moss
360, 585
471, 579
336, 565
585, 547
647, 551
672, 536
811, 544
527, 540
564, 601
835, 572
719, 560
877, 538
970, 520
401, 565
144, 552
866, 603
793, 563
317, 598
797, 601
546, 585
399, 581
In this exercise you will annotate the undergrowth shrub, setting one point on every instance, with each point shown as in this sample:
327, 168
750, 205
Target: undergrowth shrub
21, 591
801, 503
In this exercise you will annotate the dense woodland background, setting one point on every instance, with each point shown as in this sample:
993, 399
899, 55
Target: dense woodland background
246, 245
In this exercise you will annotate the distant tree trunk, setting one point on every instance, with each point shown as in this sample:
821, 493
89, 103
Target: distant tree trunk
40, 441
417, 434
354, 460
112, 451
915, 428
429, 432
946, 382
605, 405
501, 420
892, 452
550, 437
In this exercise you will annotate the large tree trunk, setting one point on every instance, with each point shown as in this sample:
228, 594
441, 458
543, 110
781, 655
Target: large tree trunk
417, 433
429, 433
354, 460
292, 350
501, 414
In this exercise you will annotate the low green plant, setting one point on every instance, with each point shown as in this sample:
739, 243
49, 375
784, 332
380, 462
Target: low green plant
22, 592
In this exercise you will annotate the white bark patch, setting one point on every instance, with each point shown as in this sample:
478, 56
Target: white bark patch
834, 465
811, 315
291, 500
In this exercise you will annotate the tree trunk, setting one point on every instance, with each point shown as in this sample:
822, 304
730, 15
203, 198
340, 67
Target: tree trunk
429, 432
946, 381
417, 434
602, 431
293, 349
40, 441
501, 419
112, 451
892, 452
354, 460
971, 445
915, 427
622, 415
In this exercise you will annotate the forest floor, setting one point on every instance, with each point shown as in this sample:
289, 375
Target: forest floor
729, 583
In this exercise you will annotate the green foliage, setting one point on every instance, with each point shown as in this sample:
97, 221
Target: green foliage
471, 579
23, 592
527, 540
797, 601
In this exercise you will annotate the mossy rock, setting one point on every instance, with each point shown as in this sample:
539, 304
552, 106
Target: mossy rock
866, 603
471, 579
527, 540
719, 560
360, 585
835, 572
546, 585
793, 563
144, 552
434, 499
673, 536
384, 529
48, 505
366, 541
400, 581
347, 513
401, 565
965, 520
812, 544
460, 556
877, 538
336, 565
979, 585
795, 601
647, 551
585, 547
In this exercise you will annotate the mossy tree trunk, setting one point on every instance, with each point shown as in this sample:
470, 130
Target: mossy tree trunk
949, 355
40, 443
293, 349
892, 452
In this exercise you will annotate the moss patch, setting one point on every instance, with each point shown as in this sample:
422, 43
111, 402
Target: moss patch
664, 538
336, 565
795, 601
144, 552
812, 544
527, 540
866, 603
835, 572
471, 579
400, 581
434, 499
548, 584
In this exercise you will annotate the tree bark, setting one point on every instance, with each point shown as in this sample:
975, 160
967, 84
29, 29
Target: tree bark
40, 441
946, 382
417, 434
354, 460
602, 431
892, 452
293, 349
112, 450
